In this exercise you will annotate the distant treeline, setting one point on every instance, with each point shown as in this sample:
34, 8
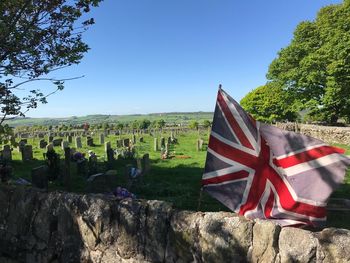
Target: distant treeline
171, 119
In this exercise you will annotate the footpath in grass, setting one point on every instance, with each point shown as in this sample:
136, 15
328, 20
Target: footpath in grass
176, 180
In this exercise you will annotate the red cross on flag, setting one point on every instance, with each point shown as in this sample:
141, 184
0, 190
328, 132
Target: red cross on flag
260, 171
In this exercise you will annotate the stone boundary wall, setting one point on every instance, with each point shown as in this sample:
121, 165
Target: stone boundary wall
327, 134
63, 227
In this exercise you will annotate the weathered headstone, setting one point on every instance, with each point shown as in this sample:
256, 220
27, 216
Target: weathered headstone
200, 144
66, 176
162, 142
139, 164
57, 142
134, 139
89, 141
146, 163
155, 144
78, 142
119, 143
102, 182
42, 144
141, 139
64, 145
126, 142
39, 177
169, 140
7, 153
109, 153
69, 138
50, 138
27, 153
102, 138
107, 146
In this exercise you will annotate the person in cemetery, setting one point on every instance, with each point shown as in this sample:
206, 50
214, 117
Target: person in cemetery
53, 162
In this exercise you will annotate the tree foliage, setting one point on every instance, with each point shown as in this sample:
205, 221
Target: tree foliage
270, 103
315, 67
36, 38
193, 125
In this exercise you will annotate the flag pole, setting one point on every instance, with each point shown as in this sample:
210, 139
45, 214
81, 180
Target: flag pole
200, 199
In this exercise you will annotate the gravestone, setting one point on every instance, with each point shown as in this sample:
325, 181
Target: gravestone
102, 182
107, 146
200, 144
25, 141
162, 142
167, 147
39, 177
69, 138
42, 144
102, 138
64, 145
78, 142
119, 143
126, 142
134, 139
169, 140
89, 141
109, 153
21, 145
50, 138
49, 147
155, 144
7, 153
57, 142
141, 139
27, 153
146, 163
139, 164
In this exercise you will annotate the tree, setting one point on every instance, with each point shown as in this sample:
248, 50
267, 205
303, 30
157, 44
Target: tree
160, 124
270, 103
36, 38
207, 123
194, 125
120, 126
143, 124
315, 67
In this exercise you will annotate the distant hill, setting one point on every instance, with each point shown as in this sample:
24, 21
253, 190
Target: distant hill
169, 117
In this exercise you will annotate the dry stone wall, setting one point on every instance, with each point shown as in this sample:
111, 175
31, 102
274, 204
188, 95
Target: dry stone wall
328, 134
56, 227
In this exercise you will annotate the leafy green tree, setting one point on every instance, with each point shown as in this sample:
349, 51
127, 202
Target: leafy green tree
160, 124
315, 67
270, 103
120, 126
194, 125
207, 123
143, 124
36, 38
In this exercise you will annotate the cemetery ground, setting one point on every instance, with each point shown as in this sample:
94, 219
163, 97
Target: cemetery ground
176, 179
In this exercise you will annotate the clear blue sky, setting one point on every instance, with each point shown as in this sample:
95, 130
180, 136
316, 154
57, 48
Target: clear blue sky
152, 56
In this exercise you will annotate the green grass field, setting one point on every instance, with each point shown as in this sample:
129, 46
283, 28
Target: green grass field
176, 180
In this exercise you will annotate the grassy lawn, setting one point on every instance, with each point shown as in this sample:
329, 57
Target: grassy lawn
176, 180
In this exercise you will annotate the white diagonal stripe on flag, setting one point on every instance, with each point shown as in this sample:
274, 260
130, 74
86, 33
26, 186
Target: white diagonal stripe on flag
232, 144
241, 123
317, 163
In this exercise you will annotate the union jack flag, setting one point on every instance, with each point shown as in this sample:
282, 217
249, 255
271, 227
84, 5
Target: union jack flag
260, 171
